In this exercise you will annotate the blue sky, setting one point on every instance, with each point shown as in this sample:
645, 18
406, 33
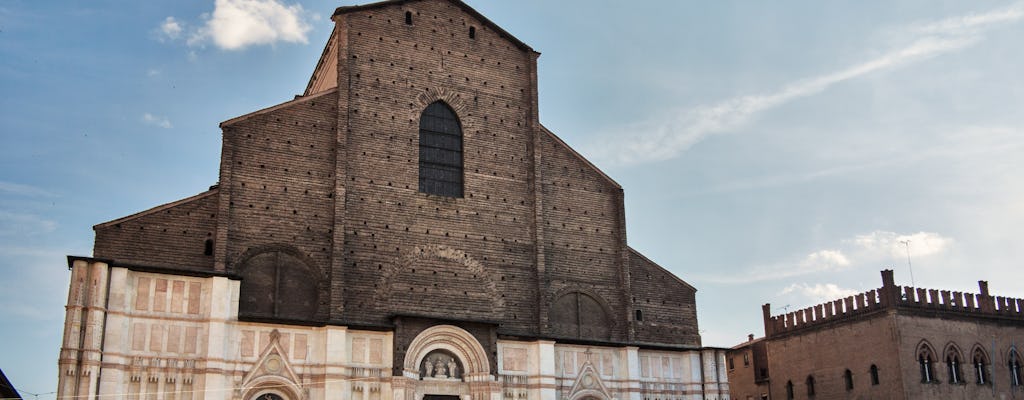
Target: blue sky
770, 151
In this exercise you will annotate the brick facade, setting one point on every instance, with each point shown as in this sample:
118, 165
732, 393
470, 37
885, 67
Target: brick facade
842, 344
537, 221
317, 232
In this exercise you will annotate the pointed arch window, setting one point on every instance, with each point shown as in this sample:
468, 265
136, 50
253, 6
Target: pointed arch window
848, 378
925, 359
980, 363
874, 374
953, 365
1014, 366
440, 151
789, 390
810, 385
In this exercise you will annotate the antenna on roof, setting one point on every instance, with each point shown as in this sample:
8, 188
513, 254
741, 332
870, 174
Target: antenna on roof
906, 243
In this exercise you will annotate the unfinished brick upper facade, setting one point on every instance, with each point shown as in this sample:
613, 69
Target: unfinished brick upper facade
339, 189
320, 219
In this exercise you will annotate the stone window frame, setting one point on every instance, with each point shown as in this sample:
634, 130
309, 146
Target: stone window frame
980, 362
925, 357
1013, 365
953, 358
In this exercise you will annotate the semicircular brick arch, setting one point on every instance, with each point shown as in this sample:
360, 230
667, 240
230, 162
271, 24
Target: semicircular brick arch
456, 341
422, 257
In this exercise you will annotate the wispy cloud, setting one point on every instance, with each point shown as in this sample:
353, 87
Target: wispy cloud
15, 224
817, 293
237, 24
920, 244
815, 262
873, 250
23, 190
156, 120
667, 136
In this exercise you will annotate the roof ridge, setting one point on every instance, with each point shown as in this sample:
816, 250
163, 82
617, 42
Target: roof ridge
369, 6
159, 208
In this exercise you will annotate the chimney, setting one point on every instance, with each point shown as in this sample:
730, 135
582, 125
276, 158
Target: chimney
750, 337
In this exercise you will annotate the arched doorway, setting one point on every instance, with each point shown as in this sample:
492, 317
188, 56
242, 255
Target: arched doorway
445, 362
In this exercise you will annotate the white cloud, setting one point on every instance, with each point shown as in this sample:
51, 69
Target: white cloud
666, 136
170, 29
920, 244
155, 120
824, 260
970, 23
818, 293
872, 250
13, 224
237, 24
815, 262
23, 190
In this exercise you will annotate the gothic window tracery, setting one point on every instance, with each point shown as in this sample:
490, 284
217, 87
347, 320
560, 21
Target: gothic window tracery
1014, 368
953, 365
980, 362
925, 358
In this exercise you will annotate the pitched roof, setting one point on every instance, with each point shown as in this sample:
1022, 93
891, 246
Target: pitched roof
213, 190
633, 251
7, 390
465, 7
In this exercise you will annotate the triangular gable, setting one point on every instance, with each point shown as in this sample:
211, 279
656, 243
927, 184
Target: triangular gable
213, 190
273, 369
325, 75
633, 252
465, 7
588, 382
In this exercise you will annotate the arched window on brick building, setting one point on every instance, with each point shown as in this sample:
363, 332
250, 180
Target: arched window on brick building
925, 359
810, 385
874, 374
789, 390
980, 362
440, 151
1014, 367
953, 361
848, 379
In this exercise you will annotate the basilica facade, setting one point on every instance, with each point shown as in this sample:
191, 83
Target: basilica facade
405, 229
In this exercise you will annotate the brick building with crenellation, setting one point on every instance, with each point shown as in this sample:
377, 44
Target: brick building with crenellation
894, 342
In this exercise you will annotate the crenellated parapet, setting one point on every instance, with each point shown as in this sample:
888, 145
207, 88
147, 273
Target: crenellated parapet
837, 310
893, 297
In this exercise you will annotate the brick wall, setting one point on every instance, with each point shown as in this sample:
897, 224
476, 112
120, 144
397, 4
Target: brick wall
339, 189
668, 306
277, 177
171, 235
827, 353
993, 338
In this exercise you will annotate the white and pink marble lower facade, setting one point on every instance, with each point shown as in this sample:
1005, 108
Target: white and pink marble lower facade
150, 336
